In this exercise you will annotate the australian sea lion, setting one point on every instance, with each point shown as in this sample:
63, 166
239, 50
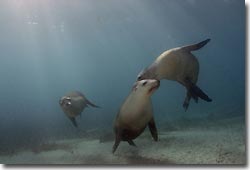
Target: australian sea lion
136, 113
180, 65
73, 105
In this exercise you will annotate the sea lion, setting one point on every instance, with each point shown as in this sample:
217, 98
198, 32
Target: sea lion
180, 65
73, 105
136, 113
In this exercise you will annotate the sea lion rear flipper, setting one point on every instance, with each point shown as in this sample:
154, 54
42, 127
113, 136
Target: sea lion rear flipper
186, 101
91, 104
130, 142
73, 120
197, 46
196, 92
153, 130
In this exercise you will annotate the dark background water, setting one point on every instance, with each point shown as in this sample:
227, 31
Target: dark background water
50, 47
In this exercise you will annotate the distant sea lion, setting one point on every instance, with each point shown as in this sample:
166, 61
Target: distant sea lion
180, 65
136, 113
73, 105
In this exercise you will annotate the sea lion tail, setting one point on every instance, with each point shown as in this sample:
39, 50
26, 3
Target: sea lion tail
197, 46
91, 104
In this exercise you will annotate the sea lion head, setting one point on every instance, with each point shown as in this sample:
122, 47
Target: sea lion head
147, 86
147, 73
66, 103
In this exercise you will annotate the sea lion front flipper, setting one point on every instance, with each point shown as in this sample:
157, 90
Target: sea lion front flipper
91, 104
152, 128
73, 120
130, 142
117, 142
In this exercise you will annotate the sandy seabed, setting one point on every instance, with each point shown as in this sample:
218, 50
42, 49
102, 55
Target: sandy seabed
224, 144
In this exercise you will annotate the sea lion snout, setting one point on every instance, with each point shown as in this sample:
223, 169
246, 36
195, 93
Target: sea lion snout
155, 84
139, 77
148, 73
144, 74
158, 83
149, 85
60, 101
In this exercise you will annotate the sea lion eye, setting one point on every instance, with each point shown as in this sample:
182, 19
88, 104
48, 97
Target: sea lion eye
144, 83
68, 103
139, 78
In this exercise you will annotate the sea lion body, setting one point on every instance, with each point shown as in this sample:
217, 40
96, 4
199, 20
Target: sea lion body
175, 64
73, 105
178, 64
136, 113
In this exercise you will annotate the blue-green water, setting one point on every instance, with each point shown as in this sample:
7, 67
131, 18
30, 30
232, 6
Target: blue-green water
50, 47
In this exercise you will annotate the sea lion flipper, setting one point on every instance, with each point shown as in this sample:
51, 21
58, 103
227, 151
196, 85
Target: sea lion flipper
117, 142
197, 46
91, 104
130, 142
186, 101
153, 130
73, 120
196, 92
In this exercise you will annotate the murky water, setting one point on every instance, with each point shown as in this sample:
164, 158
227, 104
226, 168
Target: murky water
49, 48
